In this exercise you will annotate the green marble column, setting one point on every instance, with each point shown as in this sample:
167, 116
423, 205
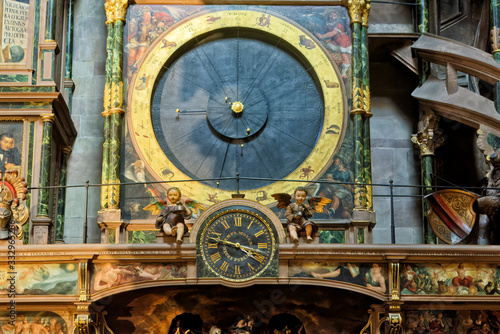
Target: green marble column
495, 44
43, 198
357, 112
107, 105
116, 110
428, 182
61, 197
428, 138
367, 160
50, 20
68, 64
423, 26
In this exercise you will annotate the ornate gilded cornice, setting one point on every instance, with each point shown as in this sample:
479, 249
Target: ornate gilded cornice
429, 137
366, 12
355, 8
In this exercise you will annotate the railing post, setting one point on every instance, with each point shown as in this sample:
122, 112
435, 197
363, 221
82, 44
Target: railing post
393, 227
86, 211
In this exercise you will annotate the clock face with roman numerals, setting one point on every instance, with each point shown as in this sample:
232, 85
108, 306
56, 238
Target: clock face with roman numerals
237, 244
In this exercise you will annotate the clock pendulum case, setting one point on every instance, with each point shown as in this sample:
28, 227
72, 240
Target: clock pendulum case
227, 94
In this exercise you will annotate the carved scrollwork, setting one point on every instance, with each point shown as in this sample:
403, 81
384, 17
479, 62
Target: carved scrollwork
13, 211
428, 137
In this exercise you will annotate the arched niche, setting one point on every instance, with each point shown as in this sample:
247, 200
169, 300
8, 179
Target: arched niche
154, 309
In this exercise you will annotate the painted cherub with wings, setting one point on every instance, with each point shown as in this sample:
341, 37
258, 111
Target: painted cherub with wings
299, 212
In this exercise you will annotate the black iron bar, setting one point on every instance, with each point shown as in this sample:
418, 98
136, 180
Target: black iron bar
393, 226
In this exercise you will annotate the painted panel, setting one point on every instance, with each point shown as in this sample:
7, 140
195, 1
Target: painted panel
452, 321
373, 276
14, 29
33, 322
11, 145
39, 279
109, 275
450, 279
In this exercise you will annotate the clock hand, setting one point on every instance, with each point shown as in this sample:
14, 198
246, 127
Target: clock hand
190, 112
248, 253
223, 163
253, 250
224, 242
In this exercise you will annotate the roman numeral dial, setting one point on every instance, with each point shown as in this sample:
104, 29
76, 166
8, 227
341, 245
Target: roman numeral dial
237, 244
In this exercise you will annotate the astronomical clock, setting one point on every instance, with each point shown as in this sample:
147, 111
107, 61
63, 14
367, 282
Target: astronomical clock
233, 98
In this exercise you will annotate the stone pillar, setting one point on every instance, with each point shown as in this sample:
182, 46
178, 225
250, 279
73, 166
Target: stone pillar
61, 198
428, 138
42, 222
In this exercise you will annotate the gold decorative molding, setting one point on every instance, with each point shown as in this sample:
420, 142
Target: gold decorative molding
428, 137
110, 14
495, 39
355, 8
116, 95
395, 281
48, 117
66, 150
83, 281
107, 97
366, 12
395, 323
113, 111
358, 111
366, 98
120, 9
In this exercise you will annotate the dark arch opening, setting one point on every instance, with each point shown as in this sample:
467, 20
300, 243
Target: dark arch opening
186, 321
286, 323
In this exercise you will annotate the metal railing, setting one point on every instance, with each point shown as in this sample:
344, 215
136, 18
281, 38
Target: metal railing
392, 188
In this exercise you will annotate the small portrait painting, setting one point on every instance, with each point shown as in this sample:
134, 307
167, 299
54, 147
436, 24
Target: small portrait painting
11, 140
